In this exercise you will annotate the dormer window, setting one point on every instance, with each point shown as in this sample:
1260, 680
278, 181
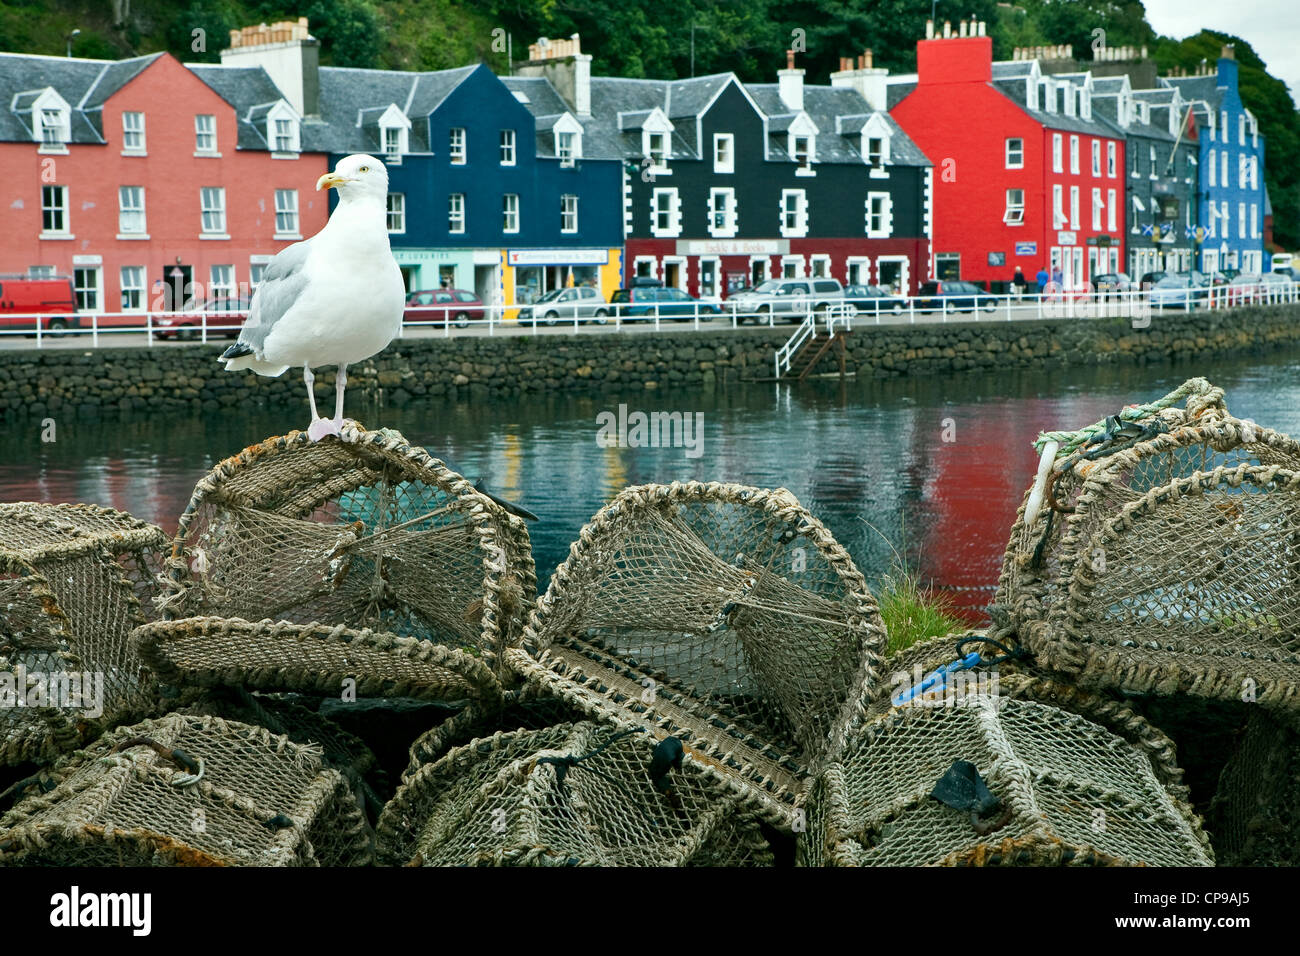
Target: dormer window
394, 132
282, 131
50, 118
566, 148
54, 128
656, 149
875, 151
801, 150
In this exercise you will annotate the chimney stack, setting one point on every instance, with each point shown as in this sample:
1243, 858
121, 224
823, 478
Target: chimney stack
289, 54
568, 69
790, 84
868, 80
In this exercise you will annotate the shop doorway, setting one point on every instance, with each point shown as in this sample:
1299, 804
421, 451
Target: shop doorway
408, 277
487, 285
178, 287
892, 274
672, 274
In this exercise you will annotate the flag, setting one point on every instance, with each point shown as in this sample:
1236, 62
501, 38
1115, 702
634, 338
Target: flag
1148, 230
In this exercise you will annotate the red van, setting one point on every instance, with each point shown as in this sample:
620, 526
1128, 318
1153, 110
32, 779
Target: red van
21, 296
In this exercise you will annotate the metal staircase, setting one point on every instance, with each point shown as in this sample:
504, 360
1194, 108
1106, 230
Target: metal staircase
810, 343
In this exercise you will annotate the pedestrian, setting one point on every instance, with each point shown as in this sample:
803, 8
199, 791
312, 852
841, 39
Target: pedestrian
1042, 278
1018, 282
1058, 280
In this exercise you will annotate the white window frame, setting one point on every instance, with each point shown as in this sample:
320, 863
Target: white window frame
510, 213
225, 286
1019, 162
1014, 212
803, 168
886, 215
1097, 205
1241, 220
1074, 207
1213, 172
1058, 148
1151, 153
726, 195
457, 146
569, 213
1111, 212
128, 277
568, 150
1074, 155
286, 210
863, 265
1242, 173
283, 131
129, 130
53, 127
395, 213
200, 132
393, 136
61, 207
124, 210
724, 152
799, 268
1058, 206
1254, 220
819, 266
1112, 159
672, 209
1241, 129
96, 290
659, 157
507, 147
1096, 158
456, 213
799, 228
212, 209
1223, 168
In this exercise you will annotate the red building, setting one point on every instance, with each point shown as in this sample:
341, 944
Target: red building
1023, 174
137, 177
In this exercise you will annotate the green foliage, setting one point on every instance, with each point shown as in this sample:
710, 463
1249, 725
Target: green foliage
349, 31
913, 612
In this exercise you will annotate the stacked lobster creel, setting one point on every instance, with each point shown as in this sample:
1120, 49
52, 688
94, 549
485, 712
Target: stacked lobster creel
1160, 552
188, 790
968, 761
572, 794
366, 531
722, 615
74, 581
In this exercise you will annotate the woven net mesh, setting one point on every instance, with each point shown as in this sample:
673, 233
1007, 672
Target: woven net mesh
1255, 815
500, 801
1071, 793
310, 658
368, 531
1170, 564
722, 614
74, 581
261, 800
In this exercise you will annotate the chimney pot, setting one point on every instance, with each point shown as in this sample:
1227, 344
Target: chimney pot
1229, 51
929, 29
867, 57
981, 25
947, 29
789, 59
961, 28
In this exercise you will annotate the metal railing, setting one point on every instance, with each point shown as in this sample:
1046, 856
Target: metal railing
807, 328
108, 328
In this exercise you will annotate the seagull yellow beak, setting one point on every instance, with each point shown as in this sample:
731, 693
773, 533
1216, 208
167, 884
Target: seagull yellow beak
330, 180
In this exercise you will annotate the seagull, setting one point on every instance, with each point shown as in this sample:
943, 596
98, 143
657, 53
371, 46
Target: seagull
333, 299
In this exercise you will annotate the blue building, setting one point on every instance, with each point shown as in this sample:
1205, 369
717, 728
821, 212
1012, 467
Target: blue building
494, 189
1231, 169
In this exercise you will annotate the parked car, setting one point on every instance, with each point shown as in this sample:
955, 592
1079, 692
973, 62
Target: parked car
52, 299
645, 302
873, 300
564, 305
954, 295
791, 299
440, 305
1110, 282
223, 315
1246, 287
1150, 279
1177, 292
1227, 275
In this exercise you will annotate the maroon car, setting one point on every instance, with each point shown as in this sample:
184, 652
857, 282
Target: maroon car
439, 305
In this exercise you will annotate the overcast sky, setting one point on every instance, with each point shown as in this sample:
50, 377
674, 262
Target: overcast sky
1271, 27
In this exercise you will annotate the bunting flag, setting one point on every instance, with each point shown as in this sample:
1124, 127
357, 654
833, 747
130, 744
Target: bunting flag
1148, 230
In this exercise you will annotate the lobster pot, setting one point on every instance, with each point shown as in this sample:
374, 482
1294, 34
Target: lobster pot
569, 795
721, 614
1069, 791
1018, 680
1170, 565
1255, 815
134, 798
367, 531
74, 581
336, 661
525, 709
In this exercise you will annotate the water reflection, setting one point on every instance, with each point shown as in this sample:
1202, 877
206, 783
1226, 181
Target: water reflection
933, 466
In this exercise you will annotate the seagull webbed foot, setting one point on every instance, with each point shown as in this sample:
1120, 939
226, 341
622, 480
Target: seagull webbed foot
321, 427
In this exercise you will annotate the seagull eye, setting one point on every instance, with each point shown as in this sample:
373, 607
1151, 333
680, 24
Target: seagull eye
364, 169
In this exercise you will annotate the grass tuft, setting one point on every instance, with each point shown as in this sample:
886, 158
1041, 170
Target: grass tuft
911, 611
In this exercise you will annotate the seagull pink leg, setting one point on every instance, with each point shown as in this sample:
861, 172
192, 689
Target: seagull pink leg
319, 427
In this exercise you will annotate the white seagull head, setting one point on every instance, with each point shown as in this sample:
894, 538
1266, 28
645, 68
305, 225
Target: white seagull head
357, 177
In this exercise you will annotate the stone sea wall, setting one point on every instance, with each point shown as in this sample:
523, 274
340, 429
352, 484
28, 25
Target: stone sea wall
94, 382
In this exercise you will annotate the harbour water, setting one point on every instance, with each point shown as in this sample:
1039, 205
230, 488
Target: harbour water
933, 468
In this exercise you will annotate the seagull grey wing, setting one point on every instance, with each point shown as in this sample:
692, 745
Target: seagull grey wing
282, 283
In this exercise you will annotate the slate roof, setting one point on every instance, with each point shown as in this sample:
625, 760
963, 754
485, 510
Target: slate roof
825, 106
895, 93
1015, 90
1196, 87
84, 84
599, 140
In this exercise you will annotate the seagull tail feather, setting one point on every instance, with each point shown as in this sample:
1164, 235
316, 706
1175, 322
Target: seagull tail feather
239, 357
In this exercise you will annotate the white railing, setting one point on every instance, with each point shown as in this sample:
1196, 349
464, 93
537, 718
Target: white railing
109, 328
801, 335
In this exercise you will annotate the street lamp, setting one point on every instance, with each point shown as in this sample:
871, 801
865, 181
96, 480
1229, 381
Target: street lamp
70, 37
